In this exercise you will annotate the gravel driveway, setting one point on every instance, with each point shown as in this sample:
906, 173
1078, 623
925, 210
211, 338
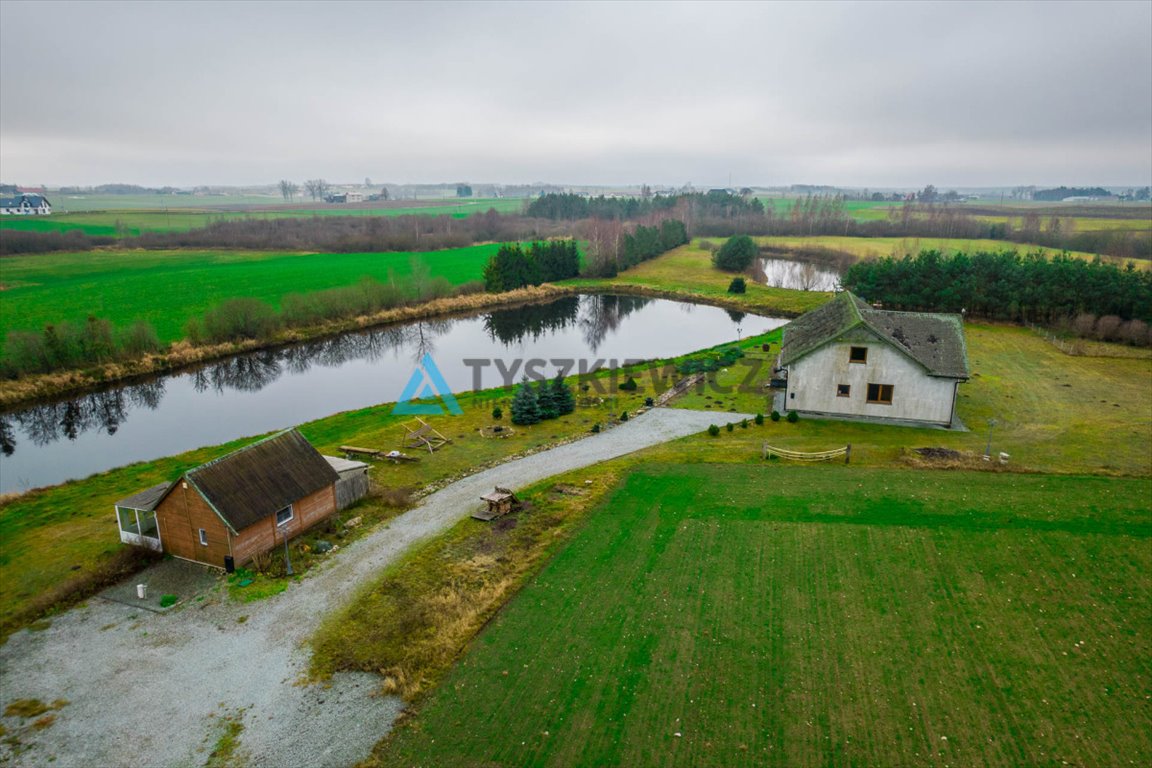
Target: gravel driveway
152, 690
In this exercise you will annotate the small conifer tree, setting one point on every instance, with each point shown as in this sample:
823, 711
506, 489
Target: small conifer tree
562, 396
546, 401
525, 409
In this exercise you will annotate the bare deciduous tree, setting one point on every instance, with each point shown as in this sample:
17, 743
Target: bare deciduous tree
288, 189
316, 188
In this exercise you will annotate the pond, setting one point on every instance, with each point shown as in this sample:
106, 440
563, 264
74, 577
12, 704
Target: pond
279, 388
797, 275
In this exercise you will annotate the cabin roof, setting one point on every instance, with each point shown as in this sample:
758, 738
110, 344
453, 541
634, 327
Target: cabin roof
145, 500
934, 340
497, 496
257, 481
344, 465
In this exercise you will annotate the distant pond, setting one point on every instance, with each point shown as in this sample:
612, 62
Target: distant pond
273, 389
797, 275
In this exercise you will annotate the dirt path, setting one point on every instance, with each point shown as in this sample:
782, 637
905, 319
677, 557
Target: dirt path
152, 690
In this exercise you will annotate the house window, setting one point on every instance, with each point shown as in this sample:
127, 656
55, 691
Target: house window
843, 390
858, 355
284, 515
204, 537
880, 393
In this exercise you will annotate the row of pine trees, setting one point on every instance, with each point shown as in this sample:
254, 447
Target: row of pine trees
544, 262
547, 400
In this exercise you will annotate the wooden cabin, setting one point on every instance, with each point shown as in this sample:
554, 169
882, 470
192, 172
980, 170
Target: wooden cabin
240, 505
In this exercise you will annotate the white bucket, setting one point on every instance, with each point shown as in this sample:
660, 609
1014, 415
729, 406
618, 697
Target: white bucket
141, 591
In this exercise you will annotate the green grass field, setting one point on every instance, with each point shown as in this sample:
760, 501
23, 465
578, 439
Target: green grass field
878, 247
166, 288
860, 210
1084, 223
154, 217
771, 615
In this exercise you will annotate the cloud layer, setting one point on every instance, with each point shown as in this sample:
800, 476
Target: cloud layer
590, 93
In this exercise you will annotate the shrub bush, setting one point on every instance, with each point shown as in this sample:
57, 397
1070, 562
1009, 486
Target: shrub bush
596, 428
630, 385
737, 285
166, 601
759, 419
713, 430
775, 415
736, 255
497, 413
793, 417
623, 415
240, 318
729, 426
649, 402
743, 423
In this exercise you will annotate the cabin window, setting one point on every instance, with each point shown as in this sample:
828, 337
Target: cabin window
858, 355
204, 537
843, 390
284, 515
880, 393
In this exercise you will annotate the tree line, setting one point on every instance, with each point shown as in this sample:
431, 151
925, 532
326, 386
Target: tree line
572, 207
543, 262
60, 346
1005, 286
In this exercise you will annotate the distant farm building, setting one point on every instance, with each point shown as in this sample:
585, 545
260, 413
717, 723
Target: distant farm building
849, 359
26, 204
227, 511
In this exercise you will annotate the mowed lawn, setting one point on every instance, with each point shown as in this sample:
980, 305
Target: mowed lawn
166, 288
769, 615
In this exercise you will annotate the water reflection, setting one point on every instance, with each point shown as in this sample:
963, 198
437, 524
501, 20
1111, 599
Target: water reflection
597, 317
99, 411
512, 326
796, 275
603, 315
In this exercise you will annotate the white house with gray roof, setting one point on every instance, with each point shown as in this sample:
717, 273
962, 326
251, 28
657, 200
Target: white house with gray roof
25, 204
849, 359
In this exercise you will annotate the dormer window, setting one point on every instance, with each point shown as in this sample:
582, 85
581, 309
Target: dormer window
858, 355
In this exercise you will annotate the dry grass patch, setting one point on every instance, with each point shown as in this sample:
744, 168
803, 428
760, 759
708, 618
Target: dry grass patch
413, 622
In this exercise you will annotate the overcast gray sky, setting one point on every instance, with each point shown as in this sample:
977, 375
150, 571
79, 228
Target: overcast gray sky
867, 94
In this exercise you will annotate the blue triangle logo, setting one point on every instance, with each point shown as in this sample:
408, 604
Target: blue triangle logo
429, 383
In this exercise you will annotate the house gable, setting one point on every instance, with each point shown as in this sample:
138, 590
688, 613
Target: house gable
933, 341
255, 482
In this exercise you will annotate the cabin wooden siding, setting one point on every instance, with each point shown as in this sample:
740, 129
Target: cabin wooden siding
263, 535
181, 515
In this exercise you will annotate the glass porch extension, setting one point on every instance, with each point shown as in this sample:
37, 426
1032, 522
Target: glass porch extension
136, 518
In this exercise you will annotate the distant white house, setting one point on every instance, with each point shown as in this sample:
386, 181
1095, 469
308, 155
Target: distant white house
25, 204
354, 197
849, 359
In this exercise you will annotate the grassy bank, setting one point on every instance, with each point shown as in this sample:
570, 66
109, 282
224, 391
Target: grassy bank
706, 615
687, 272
